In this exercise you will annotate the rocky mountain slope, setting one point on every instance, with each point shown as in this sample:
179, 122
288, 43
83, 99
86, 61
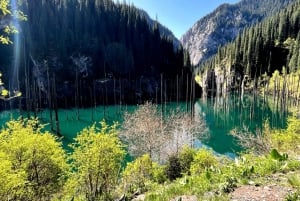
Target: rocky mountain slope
224, 23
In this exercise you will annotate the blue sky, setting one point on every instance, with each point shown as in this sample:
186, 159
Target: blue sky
178, 15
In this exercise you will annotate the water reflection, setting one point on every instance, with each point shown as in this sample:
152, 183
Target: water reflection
225, 113
220, 115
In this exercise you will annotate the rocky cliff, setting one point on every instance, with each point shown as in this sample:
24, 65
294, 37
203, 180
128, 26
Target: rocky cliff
224, 23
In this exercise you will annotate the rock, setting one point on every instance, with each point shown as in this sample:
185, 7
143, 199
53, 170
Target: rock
122, 198
139, 198
223, 24
185, 198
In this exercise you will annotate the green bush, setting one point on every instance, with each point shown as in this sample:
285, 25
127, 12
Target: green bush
186, 157
288, 140
139, 174
204, 159
293, 196
173, 168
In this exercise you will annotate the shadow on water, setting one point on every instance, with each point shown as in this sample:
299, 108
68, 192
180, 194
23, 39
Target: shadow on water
224, 114
220, 115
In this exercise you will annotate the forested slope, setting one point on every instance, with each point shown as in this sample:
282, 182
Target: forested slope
255, 54
96, 52
223, 25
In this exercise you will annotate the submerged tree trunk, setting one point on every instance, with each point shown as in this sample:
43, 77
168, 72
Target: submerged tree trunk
55, 106
49, 99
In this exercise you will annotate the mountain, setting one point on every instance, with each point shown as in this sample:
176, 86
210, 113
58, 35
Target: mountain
257, 58
82, 53
224, 23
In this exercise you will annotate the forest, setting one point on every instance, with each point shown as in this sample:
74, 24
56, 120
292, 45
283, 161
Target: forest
260, 52
92, 52
96, 52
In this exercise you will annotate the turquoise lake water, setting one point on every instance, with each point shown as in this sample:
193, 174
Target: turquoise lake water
220, 116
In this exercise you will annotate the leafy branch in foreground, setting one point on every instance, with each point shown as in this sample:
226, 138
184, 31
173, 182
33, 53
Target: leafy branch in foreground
7, 16
5, 94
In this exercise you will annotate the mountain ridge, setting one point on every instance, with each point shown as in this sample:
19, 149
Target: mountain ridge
75, 50
222, 25
164, 30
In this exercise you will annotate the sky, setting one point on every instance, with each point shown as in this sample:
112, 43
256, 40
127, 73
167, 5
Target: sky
178, 15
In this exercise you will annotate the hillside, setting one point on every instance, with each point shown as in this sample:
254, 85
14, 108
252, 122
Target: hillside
223, 25
96, 52
270, 48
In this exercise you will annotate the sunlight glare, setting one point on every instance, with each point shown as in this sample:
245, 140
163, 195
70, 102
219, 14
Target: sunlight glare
16, 42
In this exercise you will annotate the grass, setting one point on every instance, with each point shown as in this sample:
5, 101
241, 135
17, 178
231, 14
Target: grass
217, 183
211, 177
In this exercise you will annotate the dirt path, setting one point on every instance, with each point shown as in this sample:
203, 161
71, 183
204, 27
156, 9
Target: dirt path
260, 193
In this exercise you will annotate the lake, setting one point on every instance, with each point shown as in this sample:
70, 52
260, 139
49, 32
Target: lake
220, 115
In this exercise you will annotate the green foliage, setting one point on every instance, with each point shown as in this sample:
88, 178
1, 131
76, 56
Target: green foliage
213, 174
5, 94
272, 141
97, 160
186, 157
259, 50
33, 163
251, 164
244, 166
139, 173
293, 164
258, 142
293, 196
282, 82
11, 181
204, 159
4, 8
229, 185
120, 40
173, 168
294, 180
288, 140
277, 156
5, 14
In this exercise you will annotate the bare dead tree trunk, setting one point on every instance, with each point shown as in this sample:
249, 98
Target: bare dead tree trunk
49, 99
115, 98
298, 85
27, 90
77, 94
35, 105
161, 94
187, 93
55, 106
120, 87
177, 90
165, 97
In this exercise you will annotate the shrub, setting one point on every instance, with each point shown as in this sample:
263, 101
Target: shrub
97, 160
33, 163
186, 157
139, 173
204, 159
288, 140
173, 168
